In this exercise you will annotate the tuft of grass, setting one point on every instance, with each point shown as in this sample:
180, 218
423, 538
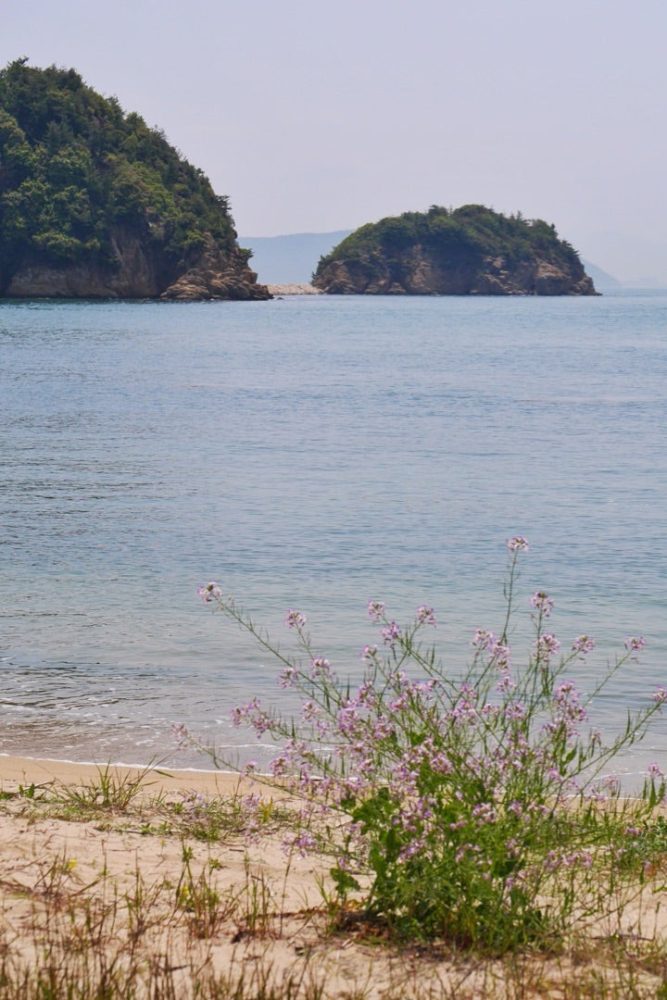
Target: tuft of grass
207, 908
216, 819
112, 945
259, 909
109, 791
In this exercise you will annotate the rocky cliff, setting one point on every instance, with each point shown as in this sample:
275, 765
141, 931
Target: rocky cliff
95, 204
470, 251
132, 271
136, 271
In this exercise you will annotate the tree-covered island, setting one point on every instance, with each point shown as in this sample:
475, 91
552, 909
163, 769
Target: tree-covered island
467, 251
94, 203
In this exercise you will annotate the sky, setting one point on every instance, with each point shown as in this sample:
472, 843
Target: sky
316, 117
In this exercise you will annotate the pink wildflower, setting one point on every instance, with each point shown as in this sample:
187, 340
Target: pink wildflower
515, 710
500, 654
210, 592
583, 644
506, 684
547, 644
375, 610
302, 842
409, 851
542, 603
425, 615
288, 677
483, 639
310, 711
294, 619
484, 813
391, 633
517, 544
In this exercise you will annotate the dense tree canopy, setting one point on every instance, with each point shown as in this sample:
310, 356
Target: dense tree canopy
462, 235
74, 167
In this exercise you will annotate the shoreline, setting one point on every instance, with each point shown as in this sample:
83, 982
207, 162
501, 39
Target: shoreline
22, 770
281, 289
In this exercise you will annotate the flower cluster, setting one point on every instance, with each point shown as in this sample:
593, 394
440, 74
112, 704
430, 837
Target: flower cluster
376, 610
210, 592
445, 789
583, 644
547, 644
426, 615
390, 633
294, 619
542, 603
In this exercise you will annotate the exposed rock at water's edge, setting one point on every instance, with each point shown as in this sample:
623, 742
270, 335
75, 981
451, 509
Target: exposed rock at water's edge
470, 251
138, 273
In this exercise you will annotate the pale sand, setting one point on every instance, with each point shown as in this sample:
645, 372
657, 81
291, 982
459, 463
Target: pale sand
294, 288
16, 771
49, 865
102, 858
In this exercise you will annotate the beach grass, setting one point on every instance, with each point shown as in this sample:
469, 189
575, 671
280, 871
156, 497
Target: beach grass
124, 902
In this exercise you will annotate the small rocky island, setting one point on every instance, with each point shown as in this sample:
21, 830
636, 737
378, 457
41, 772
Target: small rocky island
95, 204
467, 251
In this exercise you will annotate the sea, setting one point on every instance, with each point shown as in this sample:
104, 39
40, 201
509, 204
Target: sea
314, 453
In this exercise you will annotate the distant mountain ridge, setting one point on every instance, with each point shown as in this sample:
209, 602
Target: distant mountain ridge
602, 279
292, 258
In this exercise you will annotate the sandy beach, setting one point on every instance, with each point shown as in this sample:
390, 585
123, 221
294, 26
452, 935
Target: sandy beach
15, 771
294, 288
59, 863
53, 855
172, 890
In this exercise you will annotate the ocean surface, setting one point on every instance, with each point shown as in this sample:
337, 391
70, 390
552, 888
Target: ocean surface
314, 453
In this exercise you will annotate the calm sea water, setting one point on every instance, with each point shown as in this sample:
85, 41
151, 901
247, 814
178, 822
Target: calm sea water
313, 453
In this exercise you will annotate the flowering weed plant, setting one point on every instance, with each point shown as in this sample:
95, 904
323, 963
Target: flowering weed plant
473, 808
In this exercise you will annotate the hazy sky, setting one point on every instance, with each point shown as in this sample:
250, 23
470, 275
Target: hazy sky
319, 116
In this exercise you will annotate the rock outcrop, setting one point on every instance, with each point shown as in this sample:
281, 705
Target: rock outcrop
137, 271
471, 251
217, 275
